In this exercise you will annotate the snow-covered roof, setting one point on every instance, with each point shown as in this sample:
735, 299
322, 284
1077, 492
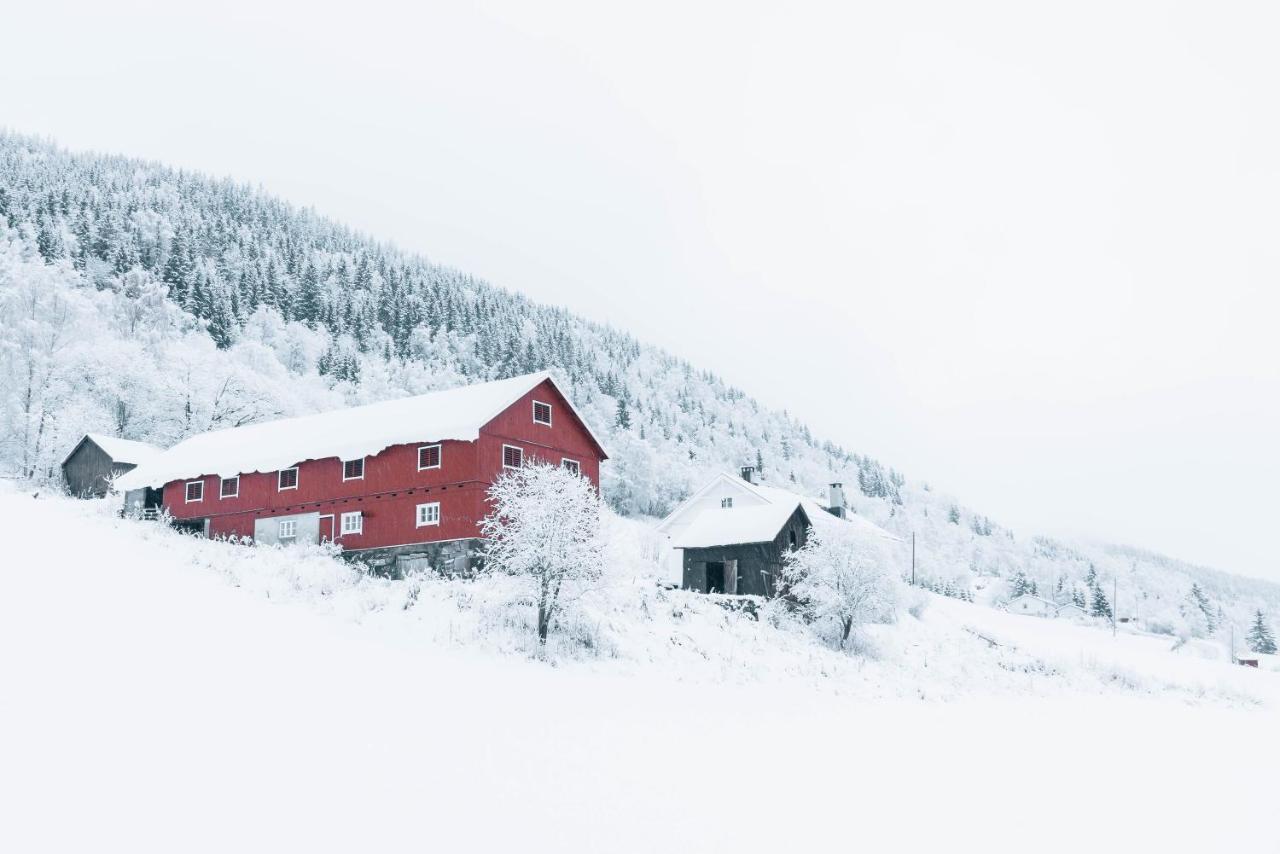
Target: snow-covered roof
121, 450
360, 431
818, 515
736, 525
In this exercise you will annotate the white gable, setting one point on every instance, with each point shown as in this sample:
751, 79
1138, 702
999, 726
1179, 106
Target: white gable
709, 497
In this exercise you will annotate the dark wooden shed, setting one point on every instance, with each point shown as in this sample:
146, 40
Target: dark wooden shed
95, 460
740, 550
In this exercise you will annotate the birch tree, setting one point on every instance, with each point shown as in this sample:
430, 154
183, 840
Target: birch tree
839, 580
544, 526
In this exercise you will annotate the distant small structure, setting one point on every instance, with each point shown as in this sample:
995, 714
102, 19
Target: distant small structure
1031, 605
96, 459
1071, 611
1247, 661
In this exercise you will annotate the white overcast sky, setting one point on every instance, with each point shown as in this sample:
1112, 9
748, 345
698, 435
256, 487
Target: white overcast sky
1030, 254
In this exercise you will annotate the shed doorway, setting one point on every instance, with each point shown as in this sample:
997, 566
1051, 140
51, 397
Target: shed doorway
715, 576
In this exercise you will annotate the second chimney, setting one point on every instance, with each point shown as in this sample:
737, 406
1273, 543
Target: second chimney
836, 500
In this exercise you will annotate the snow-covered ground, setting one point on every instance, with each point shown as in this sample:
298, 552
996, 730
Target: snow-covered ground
164, 693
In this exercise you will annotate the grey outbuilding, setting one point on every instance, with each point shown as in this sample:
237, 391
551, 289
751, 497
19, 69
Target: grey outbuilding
740, 551
95, 460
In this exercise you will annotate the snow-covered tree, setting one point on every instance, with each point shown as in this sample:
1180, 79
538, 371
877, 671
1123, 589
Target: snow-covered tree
1199, 612
1018, 585
839, 580
544, 526
1260, 638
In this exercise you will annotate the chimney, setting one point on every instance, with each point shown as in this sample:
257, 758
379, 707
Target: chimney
836, 500
749, 474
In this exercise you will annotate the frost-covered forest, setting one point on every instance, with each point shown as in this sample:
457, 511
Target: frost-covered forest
151, 303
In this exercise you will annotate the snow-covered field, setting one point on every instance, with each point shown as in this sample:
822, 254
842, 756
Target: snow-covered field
161, 693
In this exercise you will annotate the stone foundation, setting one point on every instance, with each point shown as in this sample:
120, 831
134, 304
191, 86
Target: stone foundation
451, 558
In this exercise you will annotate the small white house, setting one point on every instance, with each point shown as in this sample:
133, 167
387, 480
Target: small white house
1072, 611
1031, 605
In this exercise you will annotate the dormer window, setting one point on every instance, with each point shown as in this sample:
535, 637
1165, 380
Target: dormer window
726, 503
541, 413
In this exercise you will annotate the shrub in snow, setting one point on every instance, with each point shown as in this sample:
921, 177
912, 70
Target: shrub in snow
838, 581
544, 527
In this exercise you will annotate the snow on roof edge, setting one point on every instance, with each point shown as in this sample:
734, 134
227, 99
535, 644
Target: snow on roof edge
120, 450
737, 526
349, 433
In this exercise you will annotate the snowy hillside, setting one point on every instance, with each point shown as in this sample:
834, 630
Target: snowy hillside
151, 304
177, 693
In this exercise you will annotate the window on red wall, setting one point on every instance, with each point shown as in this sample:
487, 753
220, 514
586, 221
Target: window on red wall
195, 490
353, 469
512, 457
429, 457
230, 487
289, 478
541, 413
571, 465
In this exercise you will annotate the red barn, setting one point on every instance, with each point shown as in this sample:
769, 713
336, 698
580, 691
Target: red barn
400, 481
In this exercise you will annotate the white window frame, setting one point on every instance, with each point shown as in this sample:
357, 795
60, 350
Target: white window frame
519, 450
235, 494
358, 528
280, 474
292, 528
186, 491
572, 465
423, 519
536, 404
344, 469
726, 503
439, 457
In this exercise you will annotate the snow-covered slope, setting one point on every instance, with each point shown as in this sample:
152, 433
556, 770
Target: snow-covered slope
166, 693
152, 304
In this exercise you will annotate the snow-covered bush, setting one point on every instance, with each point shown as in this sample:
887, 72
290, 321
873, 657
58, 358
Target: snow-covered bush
544, 527
839, 580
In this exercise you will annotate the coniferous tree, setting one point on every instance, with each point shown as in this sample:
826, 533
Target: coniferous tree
309, 305
1018, 585
1101, 607
1200, 605
1260, 639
